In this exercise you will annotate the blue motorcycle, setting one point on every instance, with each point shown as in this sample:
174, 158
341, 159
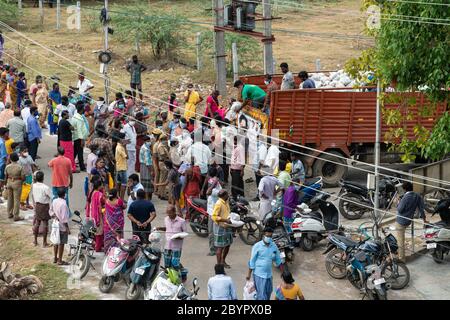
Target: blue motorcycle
144, 270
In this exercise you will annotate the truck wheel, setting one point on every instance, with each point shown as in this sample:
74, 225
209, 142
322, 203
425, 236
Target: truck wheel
332, 172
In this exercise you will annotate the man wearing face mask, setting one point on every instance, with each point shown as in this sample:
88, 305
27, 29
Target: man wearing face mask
130, 135
146, 167
162, 152
271, 85
264, 253
34, 132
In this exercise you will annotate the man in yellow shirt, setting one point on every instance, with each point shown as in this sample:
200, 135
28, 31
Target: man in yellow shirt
191, 98
223, 236
121, 164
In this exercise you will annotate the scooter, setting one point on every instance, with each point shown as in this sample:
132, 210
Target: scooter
167, 286
437, 236
118, 263
145, 268
250, 232
313, 223
280, 235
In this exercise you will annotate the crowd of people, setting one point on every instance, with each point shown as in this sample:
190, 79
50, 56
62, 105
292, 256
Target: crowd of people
175, 155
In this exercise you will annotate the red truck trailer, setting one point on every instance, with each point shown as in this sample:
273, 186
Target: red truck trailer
340, 121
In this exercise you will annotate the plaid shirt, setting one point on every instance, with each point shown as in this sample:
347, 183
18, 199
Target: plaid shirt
105, 146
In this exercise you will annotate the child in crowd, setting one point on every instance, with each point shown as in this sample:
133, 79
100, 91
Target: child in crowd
60, 211
29, 167
42, 197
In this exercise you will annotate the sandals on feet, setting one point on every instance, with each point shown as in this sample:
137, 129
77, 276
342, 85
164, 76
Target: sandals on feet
63, 263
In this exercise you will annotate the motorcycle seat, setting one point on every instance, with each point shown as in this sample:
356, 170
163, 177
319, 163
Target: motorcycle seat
199, 203
312, 181
354, 185
348, 242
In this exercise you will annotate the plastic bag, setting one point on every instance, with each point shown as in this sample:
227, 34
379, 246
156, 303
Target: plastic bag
54, 235
26, 188
249, 291
110, 182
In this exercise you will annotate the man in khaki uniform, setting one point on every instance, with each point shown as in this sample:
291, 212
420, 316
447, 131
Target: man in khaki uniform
14, 176
162, 155
156, 133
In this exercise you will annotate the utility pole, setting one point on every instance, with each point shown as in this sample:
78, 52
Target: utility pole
105, 48
41, 14
268, 50
235, 62
58, 14
221, 64
198, 51
377, 160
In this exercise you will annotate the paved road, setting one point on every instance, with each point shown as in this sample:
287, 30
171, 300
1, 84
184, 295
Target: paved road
308, 268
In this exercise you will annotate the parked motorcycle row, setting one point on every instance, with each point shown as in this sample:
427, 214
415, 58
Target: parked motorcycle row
137, 264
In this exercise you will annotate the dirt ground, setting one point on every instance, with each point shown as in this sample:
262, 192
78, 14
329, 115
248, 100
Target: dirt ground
26, 259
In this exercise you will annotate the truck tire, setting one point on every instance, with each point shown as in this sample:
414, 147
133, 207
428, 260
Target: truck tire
332, 172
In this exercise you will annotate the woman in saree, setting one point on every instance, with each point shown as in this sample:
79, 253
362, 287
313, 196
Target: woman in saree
94, 211
114, 220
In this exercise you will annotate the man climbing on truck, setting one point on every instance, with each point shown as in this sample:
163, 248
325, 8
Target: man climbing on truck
251, 94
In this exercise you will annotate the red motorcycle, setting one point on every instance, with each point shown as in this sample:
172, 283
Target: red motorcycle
197, 214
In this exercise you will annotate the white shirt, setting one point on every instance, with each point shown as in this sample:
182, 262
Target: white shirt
41, 193
133, 192
201, 154
288, 81
2, 106
25, 113
261, 156
272, 158
83, 86
69, 108
130, 134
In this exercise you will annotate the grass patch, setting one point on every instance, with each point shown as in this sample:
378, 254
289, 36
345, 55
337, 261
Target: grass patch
17, 249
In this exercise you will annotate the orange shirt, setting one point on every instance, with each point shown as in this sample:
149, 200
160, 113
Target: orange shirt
62, 169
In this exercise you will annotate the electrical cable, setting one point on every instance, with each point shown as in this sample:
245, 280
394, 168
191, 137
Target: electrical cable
305, 147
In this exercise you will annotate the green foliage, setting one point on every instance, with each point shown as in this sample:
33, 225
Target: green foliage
438, 144
248, 48
411, 55
162, 30
9, 11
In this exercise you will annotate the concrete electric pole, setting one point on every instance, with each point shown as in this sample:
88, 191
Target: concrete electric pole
268, 51
221, 64
105, 49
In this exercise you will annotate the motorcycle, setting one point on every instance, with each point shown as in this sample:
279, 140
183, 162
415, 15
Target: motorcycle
82, 251
311, 225
118, 264
380, 252
309, 190
437, 236
281, 236
145, 268
167, 286
356, 200
250, 233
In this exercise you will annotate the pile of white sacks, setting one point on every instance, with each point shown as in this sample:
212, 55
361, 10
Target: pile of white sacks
338, 79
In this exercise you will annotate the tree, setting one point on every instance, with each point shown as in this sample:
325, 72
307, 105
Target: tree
413, 52
9, 11
162, 30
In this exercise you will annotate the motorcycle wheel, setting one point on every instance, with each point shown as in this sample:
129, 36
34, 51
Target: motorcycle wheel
354, 280
106, 284
80, 264
335, 263
438, 254
397, 274
251, 231
377, 294
349, 209
133, 292
306, 243
198, 225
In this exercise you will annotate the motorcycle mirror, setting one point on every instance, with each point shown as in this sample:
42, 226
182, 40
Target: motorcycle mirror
77, 213
195, 282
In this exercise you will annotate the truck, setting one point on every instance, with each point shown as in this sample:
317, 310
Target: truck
338, 121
